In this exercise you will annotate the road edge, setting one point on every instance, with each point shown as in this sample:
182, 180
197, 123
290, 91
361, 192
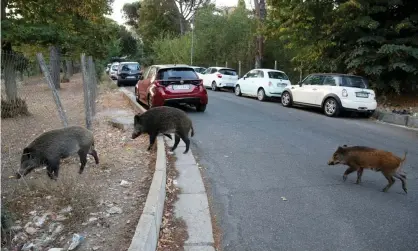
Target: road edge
396, 119
148, 228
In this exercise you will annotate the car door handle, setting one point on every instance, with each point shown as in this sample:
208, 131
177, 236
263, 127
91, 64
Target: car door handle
314, 89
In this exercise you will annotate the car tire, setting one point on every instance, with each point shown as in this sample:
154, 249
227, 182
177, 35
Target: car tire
286, 99
214, 87
200, 108
331, 107
149, 99
237, 90
261, 94
119, 83
136, 95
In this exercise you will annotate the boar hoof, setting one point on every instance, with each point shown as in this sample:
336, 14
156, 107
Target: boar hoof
185, 152
357, 182
344, 177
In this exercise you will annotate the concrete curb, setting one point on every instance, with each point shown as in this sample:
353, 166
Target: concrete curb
193, 205
396, 119
148, 229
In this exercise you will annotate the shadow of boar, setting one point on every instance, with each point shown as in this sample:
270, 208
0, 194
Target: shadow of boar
358, 158
164, 120
52, 146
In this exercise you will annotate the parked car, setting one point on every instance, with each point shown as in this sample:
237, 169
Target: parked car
108, 68
171, 84
114, 71
199, 69
262, 83
333, 93
219, 77
128, 72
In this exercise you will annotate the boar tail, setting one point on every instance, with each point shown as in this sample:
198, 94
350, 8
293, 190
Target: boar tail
404, 156
402, 161
192, 134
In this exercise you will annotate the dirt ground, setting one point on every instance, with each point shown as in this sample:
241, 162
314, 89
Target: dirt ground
103, 205
407, 104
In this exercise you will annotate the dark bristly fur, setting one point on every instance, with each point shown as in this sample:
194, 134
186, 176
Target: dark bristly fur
165, 120
358, 158
52, 146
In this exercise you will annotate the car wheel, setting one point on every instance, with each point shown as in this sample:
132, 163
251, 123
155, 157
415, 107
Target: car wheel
136, 95
331, 108
149, 102
261, 95
238, 90
119, 83
200, 108
214, 87
286, 99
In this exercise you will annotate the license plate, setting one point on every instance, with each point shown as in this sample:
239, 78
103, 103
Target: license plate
181, 87
281, 85
362, 94
131, 77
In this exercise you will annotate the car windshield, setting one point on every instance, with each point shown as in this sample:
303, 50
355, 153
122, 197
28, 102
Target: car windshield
176, 73
199, 69
277, 75
229, 72
115, 67
130, 67
353, 81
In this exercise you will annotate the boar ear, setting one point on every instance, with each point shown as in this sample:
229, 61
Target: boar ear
345, 146
27, 151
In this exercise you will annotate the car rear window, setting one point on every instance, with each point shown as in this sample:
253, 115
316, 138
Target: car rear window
353, 81
130, 67
228, 72
277, 75
177, 73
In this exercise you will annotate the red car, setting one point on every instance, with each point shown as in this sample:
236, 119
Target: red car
171, 84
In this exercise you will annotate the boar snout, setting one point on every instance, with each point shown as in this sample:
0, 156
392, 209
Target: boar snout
135, 135
18, 175
331, 162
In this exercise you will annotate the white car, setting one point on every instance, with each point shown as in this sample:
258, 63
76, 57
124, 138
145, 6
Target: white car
219, 77
114, 71
333, 93
262, 83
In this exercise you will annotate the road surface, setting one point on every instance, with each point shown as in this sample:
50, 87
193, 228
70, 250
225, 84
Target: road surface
254, 153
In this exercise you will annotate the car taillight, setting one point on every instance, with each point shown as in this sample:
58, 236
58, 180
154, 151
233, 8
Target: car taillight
270, 83
157, 83
219, 75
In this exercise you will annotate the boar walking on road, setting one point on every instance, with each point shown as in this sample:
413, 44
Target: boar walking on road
358, 158
52, 146
165, 120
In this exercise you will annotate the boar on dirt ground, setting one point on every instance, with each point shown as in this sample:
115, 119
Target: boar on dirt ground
358, 158
52, 146
165, 120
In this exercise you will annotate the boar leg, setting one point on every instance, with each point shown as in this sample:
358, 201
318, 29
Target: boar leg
402, 179
83, 160
348, 171
359, 174
94, 154
390, 179
176, 142
168, 136
52, 169
152, 138
186, 140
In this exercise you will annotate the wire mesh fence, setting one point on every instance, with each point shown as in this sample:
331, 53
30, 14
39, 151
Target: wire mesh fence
34, 100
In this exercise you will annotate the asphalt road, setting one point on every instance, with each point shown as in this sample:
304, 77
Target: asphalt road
254, 153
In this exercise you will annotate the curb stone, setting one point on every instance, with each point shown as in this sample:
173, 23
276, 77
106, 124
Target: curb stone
193, 205
148, 228
396, 119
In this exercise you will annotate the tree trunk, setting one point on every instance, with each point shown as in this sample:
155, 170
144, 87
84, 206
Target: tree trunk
55, 66
10, 77
69, 66
260, 8
65, 78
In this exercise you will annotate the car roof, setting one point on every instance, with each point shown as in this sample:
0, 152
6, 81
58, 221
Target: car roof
197, 67
336, 74
266, 69
164, 66
129, 63
218, 67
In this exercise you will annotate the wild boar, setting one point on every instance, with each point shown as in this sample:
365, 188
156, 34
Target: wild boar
358, 158
165, 120
52, 146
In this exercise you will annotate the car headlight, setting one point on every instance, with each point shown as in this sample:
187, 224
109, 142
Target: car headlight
344, 93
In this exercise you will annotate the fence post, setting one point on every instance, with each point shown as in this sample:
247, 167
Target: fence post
92, 84
239, 68
51, 85
226, 63
275, 64
86, 88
